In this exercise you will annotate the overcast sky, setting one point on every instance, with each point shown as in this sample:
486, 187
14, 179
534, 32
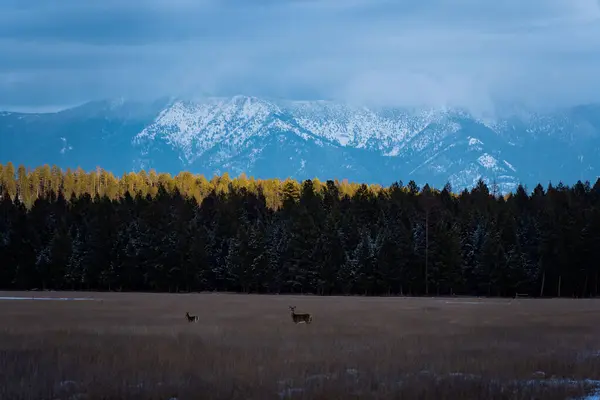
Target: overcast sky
470, 53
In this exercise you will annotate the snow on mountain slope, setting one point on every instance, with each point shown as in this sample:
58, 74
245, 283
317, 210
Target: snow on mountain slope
307, 139
195, 128
360, 127
394, 144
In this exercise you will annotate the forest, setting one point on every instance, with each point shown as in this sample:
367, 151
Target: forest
145, 231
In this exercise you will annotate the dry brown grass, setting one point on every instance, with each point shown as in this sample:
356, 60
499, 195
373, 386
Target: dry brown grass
140, 346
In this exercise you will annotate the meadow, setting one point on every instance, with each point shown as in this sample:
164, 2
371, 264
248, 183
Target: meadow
140, 346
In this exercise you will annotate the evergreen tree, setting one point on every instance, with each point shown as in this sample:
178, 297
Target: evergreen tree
149, 231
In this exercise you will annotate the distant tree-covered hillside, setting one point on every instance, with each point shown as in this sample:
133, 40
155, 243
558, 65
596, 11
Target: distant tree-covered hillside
148, 231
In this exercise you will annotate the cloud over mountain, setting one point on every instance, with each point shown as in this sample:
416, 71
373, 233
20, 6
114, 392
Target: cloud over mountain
471, 53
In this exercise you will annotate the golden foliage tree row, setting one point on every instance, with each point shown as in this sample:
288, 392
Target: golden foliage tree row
29, 184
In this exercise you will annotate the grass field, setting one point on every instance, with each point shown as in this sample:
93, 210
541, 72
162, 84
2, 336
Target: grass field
140, 346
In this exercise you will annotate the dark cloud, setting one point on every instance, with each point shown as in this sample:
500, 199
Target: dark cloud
437, 52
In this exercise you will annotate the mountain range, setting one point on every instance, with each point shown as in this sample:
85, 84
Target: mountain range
307, 139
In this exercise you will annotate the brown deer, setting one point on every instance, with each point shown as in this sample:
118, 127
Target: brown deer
300, 318
191, 318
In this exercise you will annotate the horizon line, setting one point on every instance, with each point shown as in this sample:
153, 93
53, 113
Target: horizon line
55, 109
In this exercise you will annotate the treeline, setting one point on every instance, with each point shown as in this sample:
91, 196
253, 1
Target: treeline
148, 231
28, 185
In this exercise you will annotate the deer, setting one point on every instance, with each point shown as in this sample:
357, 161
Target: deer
300, 318
191, 318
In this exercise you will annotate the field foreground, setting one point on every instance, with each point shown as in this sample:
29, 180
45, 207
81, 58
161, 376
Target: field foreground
140, 346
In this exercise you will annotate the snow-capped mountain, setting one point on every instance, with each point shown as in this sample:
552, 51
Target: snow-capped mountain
307, 139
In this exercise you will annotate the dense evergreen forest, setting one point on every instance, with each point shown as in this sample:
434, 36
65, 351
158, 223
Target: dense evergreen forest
153, 232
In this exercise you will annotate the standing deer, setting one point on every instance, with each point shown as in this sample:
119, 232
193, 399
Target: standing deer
300, 318
191, 318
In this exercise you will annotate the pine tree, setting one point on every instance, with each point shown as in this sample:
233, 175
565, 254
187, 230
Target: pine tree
146, 231
8, 224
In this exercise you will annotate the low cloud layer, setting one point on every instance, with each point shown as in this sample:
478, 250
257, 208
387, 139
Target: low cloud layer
471, 53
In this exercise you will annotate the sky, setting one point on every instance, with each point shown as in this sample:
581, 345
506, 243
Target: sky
468, 53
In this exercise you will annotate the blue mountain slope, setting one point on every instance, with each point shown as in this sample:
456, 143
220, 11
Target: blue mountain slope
310, 139
95, 134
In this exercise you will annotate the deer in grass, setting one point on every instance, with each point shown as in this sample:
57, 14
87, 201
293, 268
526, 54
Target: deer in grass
300, 318
191, 318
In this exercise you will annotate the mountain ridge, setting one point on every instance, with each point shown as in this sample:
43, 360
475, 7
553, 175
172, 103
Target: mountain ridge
307, 139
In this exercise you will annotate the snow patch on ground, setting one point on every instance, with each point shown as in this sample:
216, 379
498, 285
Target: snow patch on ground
393, 152
50, 298
487, 161
474, 141
289, 388
509, 165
